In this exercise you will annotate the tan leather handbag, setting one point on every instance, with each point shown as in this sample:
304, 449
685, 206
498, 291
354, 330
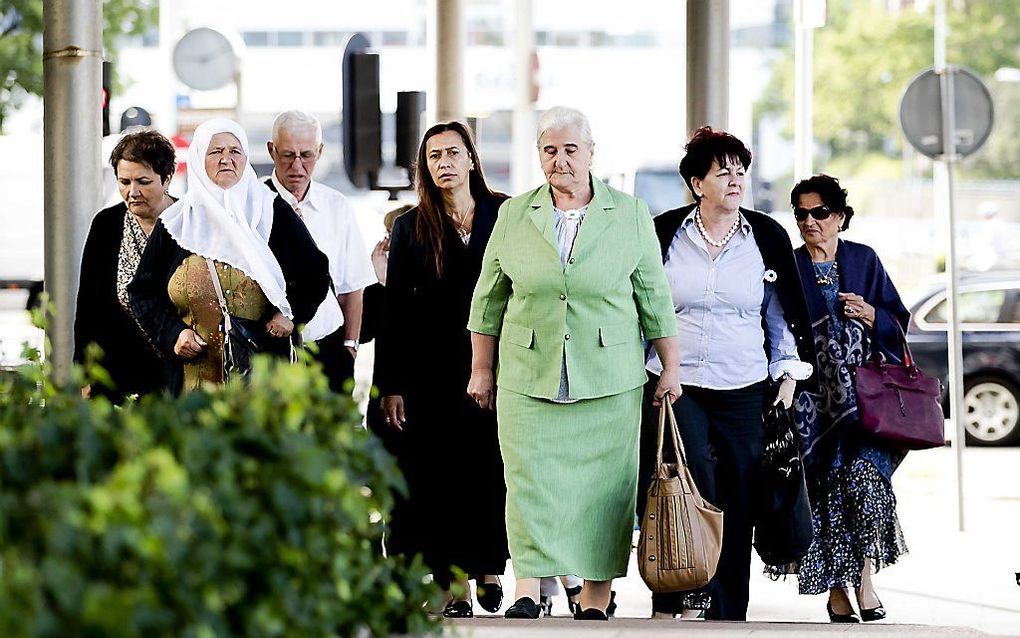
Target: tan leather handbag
681, 533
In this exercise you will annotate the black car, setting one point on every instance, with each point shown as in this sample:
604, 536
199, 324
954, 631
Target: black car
989, 311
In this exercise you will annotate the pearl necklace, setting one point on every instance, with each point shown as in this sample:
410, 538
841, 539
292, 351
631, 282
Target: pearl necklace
704, 233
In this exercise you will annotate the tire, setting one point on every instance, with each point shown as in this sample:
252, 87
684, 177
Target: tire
991, 411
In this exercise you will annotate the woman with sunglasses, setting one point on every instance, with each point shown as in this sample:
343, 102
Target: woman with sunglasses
854, 308
744, 346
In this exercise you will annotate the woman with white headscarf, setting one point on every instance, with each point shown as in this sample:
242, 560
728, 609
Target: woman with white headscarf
269, 269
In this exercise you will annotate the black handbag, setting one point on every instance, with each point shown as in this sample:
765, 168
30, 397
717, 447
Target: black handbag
240, 343
783, 531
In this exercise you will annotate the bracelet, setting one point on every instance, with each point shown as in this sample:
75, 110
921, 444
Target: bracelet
351, 343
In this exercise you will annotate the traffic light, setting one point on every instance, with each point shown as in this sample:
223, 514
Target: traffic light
410, 106
362, 121
107, 84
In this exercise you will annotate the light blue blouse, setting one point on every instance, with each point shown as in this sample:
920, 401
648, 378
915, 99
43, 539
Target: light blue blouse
719, 305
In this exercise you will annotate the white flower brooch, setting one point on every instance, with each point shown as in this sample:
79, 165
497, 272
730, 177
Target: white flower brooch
770, 276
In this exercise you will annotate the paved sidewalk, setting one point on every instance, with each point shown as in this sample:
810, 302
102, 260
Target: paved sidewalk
619, 628
951, 583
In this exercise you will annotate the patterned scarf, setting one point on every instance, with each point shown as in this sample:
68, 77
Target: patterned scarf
827, 420
132, 244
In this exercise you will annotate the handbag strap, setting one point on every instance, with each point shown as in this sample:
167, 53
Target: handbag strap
908, 356
678, 445
219, 294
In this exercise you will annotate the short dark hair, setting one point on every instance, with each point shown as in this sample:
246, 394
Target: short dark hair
827, 187
147, 147
706, 145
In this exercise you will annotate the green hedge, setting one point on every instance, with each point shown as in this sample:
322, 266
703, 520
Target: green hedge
247, 510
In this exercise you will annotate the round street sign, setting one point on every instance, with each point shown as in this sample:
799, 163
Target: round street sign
921, 112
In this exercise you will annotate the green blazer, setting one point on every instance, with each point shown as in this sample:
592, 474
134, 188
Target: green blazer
595, 309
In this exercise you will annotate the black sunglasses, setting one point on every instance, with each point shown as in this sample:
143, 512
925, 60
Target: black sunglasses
818, 212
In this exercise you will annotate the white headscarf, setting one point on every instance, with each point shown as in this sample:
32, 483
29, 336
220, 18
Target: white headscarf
228, 225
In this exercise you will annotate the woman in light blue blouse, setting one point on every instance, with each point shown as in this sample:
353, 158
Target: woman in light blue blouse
744, 345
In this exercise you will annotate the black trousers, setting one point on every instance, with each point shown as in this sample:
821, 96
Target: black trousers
722, 436
337, 362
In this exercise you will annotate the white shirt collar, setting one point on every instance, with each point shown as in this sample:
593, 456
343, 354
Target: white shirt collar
308, 203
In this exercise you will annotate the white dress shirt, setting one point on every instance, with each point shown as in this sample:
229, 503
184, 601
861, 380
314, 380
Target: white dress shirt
330, 220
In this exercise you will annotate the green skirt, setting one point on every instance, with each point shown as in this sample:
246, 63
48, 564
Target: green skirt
571, 478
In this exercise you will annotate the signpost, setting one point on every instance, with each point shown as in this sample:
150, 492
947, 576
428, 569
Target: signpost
946, 113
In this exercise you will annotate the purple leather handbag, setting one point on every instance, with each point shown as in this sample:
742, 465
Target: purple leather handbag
898, 404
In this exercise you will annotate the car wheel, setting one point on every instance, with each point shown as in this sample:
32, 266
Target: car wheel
991, 411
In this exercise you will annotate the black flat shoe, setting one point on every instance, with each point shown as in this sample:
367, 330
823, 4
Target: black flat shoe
873, 614
591, 614
840, 618
490, 595
458, 609
575, 608
523, 608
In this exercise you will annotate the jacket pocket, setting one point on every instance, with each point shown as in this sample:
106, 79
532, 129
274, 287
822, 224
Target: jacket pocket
615, 334
518, 335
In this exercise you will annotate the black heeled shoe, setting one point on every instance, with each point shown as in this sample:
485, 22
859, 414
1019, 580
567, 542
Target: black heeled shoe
523, 608
611, 609
489, 595
575, 608
458, 609
840, 618
592, 613
545, 605
873, 614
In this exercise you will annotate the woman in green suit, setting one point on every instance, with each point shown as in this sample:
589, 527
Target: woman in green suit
571, 280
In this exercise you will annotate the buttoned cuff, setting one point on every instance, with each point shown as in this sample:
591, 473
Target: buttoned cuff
798, 370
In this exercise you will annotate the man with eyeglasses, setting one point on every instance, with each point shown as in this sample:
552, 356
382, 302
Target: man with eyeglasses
296, 146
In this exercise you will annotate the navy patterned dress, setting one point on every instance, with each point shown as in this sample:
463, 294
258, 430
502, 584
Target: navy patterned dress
849, 478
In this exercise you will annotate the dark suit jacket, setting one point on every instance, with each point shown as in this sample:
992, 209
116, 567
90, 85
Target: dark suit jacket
424, 344
777, 253
129, 358
305, 270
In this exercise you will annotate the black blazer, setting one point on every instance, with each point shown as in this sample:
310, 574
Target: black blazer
128, 356
305, 270
424, 345
777, 253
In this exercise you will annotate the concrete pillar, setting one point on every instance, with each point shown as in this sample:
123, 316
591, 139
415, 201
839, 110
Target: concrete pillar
72, 177
522, 168
708, 63
449, 60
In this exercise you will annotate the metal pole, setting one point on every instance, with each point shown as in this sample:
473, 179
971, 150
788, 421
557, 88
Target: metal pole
803, 129
521, 170
708, 62
169, 32
72, 131
449, 60
954, 335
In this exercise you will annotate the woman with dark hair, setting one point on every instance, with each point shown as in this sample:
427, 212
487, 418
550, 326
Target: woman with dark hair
854, 308
444, 443
268, 272
144, 164
744, 345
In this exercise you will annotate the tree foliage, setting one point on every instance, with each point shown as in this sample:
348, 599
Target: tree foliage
866, 55
21, 43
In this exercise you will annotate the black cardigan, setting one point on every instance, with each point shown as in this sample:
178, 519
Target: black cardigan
305, 270
777, 253
128, 357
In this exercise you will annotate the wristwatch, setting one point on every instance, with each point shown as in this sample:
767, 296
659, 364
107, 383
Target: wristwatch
351, 343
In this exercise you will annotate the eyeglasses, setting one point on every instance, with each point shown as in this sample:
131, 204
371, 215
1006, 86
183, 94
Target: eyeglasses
818, 212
